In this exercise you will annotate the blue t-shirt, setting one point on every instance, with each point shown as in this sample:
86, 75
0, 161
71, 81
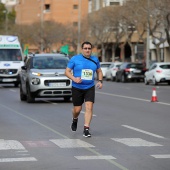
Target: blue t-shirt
85, 69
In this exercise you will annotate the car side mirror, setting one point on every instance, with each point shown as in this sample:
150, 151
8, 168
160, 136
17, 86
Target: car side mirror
24, 68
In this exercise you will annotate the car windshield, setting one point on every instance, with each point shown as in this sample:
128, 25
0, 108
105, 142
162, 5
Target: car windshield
49, 63
10, 55
105, 65
136, 66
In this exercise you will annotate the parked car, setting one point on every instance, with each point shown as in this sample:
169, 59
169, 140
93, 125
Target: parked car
130, 71
43, 76
104, 66
158, 73
111, 71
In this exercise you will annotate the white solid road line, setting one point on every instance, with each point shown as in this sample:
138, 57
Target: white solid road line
134, 98
142, 131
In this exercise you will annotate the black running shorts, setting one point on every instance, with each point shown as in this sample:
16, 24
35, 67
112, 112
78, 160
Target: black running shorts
80, 95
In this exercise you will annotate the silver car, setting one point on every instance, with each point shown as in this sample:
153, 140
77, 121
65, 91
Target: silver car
43, 77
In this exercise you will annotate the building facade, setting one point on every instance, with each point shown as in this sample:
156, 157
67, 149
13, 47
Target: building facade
95, 5
61, 11
9, 2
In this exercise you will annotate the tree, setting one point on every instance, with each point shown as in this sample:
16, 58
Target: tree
103, 28
2, 17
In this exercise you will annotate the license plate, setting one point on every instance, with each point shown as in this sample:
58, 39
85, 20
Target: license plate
57, 84
137, 71
8, 80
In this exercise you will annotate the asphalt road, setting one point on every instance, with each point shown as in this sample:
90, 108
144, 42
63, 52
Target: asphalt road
129, 132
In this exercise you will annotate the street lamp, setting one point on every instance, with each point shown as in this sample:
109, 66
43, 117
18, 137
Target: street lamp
148, 37
42, 24
79, 26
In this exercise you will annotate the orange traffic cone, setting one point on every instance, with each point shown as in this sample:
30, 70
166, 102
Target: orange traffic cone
154, 97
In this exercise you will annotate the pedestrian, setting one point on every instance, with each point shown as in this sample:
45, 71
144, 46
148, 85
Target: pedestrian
81, 70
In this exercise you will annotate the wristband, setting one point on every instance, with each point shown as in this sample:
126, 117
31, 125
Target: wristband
101, 81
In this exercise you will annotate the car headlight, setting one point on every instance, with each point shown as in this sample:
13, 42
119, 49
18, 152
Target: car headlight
36, 74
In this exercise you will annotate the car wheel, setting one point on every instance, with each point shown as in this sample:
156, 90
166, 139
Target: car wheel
146, 81
23, 97
107, 79
123, 79
168, 82
16, 84
67, 98
112, 78
154, 81
116, 79
30, 97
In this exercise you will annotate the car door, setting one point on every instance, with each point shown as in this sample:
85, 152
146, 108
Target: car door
110, 70
120, 72
151, 72
115, 68
24, 74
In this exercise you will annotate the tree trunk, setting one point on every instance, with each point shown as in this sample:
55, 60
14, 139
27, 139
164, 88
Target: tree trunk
158, 58
132, 52
103, 53
113, 52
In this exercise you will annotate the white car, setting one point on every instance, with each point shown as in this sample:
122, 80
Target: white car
104, 66
158, 73
111, 71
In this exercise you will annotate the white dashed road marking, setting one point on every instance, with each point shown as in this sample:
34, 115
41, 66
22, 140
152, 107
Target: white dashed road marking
84, 113
18, 159
135, 142
10, 144
161, 156
94, 157
71, 143
15, 145
142, 131
12, 90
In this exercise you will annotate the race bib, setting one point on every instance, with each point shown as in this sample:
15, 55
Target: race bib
87, 74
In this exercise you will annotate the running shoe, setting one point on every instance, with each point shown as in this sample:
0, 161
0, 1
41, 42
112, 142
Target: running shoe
86, 133
74, 125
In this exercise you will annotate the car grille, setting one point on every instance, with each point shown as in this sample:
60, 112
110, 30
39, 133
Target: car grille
137, 74
49, 75
54, 93
47, 82
57, 92
8, 71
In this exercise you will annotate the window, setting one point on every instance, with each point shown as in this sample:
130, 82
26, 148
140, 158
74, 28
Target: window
114, 3
47, 7
97, 5
75, 6
75, 24
166, 66
131, 28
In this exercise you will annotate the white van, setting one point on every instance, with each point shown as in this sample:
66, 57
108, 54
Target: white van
11, 59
